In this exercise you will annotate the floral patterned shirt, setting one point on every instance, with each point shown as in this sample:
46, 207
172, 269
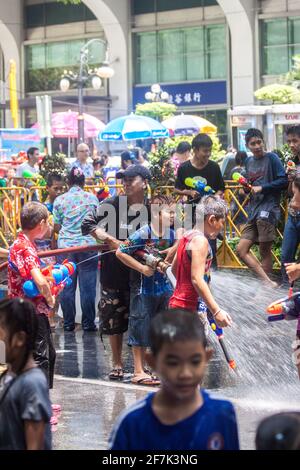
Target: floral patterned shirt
23, 258
69, 211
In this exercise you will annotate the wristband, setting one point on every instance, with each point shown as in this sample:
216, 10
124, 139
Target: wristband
216, 313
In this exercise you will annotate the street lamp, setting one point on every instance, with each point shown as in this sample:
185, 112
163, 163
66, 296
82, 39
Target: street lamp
156, 94
84, 76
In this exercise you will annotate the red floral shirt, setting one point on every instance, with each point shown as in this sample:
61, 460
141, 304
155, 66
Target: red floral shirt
23, 258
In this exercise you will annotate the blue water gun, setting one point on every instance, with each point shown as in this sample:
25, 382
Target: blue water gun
199, 186
59, 276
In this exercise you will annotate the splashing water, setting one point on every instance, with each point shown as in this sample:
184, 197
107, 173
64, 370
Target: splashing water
262, 350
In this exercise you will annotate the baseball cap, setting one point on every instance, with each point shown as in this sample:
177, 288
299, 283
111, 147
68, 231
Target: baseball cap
133, 171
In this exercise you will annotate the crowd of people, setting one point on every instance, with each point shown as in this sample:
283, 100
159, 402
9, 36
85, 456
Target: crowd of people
166, 336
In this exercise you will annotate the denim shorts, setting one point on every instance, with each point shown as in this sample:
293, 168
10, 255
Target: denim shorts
142, 309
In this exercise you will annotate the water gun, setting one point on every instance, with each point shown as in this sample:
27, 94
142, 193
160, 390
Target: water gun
155, 261
199, 186
38, 179
59, 276
103, 193
220, 335
287, 308
291, 166
240, 179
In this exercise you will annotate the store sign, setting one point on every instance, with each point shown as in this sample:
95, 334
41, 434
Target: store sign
13, 141
241, 121
289, 118
188, 94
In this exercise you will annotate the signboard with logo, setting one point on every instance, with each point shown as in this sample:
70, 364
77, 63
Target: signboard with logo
288, 118
13, 141
188, 94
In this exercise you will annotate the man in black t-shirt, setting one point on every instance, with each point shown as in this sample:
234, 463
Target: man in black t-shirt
115, 277
200, 167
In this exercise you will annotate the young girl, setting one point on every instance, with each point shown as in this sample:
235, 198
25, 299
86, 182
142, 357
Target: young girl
25, 408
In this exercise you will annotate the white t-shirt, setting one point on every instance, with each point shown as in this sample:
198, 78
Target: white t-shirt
26, 167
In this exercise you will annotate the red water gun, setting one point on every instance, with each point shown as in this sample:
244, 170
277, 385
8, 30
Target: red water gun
240, 179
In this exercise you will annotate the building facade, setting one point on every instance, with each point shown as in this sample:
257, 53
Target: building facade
208, 55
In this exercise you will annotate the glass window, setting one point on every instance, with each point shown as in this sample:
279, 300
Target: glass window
36, 57
56, 54
281, 41
35, 15
150, 6
181, 54
170, 50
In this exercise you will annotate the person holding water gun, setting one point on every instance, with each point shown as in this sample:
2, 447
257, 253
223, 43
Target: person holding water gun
30, 168
25, 265
202, 169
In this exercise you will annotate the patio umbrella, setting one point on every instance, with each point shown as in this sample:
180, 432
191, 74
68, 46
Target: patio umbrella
133, 127
65, 125
187, 124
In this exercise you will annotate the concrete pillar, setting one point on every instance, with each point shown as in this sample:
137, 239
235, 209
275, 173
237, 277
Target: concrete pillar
240, 15
113, 16
11, 37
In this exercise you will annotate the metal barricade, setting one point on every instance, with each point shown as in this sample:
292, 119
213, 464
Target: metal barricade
11, 202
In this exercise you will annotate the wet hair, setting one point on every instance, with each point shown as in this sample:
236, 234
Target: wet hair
202, 140
279, 432
183, 147
295, 130
76, 177
297, 182
175, 325
162, 199
252, 132
31, 150
211, 205
32, 214
20, 315
54, 177
240, 158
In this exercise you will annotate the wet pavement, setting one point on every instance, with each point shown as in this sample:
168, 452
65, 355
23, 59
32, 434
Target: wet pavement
265, 382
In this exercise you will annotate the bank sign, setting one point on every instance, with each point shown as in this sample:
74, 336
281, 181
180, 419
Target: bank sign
188, 94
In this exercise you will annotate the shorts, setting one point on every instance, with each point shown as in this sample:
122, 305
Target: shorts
142, 309
113, 311
259, 231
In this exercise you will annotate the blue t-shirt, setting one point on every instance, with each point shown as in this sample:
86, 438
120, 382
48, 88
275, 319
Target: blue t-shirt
269, 173
212, 427
145, 239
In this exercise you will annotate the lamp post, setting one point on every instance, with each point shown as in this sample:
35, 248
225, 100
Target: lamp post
84, 76
156, 94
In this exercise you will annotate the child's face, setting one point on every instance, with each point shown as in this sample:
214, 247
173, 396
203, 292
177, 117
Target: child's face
203, 154
167, 215
181, 367
256, 146
55, 190
214, 226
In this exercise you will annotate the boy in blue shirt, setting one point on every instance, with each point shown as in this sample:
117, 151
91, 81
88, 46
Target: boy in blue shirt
151, 291
266, 174
179, 416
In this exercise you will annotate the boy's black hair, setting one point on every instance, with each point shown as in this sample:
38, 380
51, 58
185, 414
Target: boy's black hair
175, 325
202, 140
183, 147
279, 432
54, 177
253, 132
293, 130
76, 177
32, 214
240, 158
30, 151
297, 182
20, 315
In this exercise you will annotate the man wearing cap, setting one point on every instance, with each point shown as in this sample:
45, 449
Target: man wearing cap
112, 223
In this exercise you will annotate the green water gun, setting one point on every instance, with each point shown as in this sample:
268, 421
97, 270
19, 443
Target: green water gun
35, 177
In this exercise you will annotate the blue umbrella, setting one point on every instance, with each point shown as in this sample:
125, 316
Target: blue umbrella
133, 127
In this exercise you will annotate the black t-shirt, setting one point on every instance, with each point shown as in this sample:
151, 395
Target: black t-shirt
211, 175
114, 274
